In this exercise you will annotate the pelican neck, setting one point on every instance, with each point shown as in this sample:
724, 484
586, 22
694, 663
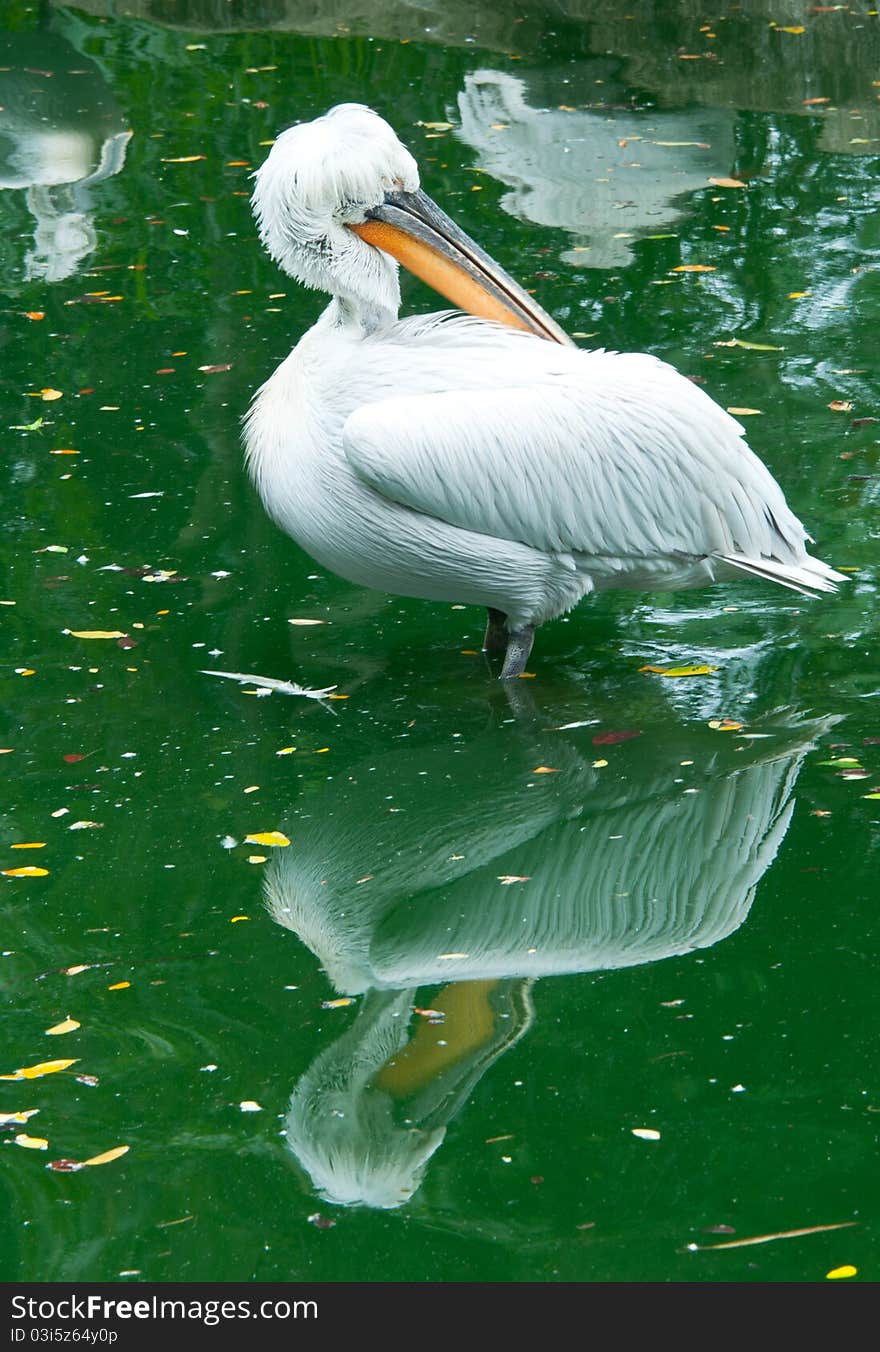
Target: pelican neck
364, 317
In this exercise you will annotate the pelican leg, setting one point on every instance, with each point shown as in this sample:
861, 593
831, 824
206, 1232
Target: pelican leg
495, 638
519, 645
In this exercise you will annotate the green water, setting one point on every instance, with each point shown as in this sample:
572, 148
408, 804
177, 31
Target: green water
689, 943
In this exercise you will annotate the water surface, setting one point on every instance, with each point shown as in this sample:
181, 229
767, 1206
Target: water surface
506, 940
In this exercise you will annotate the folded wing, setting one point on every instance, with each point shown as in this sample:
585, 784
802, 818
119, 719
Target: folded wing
618, 457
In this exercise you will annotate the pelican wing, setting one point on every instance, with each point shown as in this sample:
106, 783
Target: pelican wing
619, 457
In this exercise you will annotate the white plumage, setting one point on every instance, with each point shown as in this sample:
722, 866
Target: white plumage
453, 458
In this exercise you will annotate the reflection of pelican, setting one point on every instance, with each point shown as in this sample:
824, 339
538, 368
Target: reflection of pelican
605, 176
459, 460
615, 865
60, 131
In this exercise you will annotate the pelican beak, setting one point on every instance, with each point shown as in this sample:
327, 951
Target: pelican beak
413, 229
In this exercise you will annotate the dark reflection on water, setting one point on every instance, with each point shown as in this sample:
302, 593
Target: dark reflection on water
484, 868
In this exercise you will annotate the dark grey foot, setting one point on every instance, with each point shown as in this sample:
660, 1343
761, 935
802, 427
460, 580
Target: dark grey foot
495, 638
519, 645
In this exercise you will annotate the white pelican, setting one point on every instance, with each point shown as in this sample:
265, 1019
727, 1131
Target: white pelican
465, 458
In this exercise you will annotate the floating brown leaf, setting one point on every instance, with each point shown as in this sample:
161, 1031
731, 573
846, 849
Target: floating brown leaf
609, 738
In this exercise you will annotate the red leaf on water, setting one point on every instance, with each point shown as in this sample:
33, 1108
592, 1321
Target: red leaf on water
608, 738
73, 758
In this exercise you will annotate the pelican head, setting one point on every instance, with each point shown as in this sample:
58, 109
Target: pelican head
338, 205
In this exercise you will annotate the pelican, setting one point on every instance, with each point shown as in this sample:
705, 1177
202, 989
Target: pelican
480, 457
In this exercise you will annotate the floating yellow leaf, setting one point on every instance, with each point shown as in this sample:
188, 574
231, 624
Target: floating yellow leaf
599, 764
646, 1133
108, 1155
30, 845
80, 967
183, 159
751, 347
286, 751
840, 405
68, 1025
680, 671
6, 1118
250, 1106
49, 395
799, 295
267, 838
234, 919
742, 412
42, 1068
31, 1142
95, 633
725, 725
727, 183
256, 859
544, 770
29, 871
119, 986
693, 267
790, 28
836, 1273
35, 314
337, 1004
64, 450
306, 622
